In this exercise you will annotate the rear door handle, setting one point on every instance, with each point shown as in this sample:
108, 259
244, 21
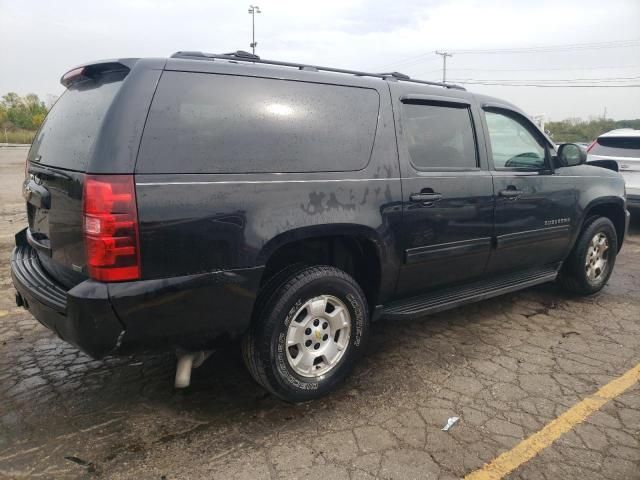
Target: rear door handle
511, 193
425, 197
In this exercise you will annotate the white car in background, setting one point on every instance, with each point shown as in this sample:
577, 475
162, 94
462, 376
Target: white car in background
623, 146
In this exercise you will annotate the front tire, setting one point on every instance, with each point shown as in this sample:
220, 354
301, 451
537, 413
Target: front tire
308, 332
591, 262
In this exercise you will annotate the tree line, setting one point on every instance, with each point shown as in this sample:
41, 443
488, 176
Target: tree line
578, 130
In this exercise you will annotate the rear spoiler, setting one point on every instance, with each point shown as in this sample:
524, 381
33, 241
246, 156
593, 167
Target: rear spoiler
92, 70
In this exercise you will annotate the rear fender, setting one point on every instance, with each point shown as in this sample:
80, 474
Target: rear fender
388, 261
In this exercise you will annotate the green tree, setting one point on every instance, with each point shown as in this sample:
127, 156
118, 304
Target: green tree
37, 120
11, 100
27, 113
37, 110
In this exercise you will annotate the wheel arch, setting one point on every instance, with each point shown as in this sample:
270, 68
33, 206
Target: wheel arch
356, 249
608, 207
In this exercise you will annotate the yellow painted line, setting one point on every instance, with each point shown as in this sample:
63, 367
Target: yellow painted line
530, 447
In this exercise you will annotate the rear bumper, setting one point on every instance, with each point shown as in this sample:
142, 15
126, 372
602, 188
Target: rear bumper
189, 312
81, 316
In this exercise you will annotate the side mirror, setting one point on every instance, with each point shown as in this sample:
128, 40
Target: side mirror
571, 155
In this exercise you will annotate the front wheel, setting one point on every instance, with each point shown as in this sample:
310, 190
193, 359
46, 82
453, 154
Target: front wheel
591, 261
309, 330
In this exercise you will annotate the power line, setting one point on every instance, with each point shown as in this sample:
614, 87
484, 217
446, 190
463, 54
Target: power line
551, 48
536, 49
409, 60
500, 70
602, 67
550, 80
546, 85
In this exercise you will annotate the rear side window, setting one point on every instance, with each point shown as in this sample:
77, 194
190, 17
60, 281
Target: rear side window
617, 147
439, 136
71, 127
207, 123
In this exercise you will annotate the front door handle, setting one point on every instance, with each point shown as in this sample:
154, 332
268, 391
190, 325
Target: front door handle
425, 197
511, 193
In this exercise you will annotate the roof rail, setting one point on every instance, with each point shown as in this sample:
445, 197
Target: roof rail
242, 56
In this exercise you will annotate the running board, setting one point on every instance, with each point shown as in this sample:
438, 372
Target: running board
447, 298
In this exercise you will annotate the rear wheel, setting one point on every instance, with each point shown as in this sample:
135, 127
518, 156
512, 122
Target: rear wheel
591, 262
308, 332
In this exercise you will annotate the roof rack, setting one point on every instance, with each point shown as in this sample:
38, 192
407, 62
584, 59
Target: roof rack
242, 56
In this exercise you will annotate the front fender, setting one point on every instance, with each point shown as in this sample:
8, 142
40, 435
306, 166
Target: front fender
604, 205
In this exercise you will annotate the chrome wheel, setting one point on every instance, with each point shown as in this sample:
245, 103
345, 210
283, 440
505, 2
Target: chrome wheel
318, 336
597, 257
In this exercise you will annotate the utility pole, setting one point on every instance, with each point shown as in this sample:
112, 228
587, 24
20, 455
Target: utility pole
444, 64
253, 9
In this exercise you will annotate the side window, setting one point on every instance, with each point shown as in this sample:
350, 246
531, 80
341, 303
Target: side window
439, 136
512, 144
208, 123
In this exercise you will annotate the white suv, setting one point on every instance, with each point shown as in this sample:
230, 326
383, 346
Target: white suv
623, 146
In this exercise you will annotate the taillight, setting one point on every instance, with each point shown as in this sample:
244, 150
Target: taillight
111, 228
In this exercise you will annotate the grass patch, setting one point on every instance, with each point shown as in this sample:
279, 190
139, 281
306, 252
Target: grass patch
16, 135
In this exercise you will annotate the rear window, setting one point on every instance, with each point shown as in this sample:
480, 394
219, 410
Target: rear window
70, 129
207, 123
617, 147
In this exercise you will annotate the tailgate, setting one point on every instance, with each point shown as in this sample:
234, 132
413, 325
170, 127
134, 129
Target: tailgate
56, 168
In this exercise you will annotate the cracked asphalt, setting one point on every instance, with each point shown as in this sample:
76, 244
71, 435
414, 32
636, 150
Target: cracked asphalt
506, 366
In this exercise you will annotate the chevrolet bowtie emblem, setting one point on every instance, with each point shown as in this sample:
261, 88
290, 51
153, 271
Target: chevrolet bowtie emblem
318, 335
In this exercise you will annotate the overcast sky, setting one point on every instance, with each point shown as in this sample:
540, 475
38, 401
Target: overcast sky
40, 40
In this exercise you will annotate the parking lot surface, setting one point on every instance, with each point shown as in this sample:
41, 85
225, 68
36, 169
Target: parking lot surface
507, 367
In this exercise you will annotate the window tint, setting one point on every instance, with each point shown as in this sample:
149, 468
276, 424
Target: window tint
617, 147
512, 144
439, 136
206, 123
70, 129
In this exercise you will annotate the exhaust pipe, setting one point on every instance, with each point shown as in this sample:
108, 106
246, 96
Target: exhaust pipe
187, 361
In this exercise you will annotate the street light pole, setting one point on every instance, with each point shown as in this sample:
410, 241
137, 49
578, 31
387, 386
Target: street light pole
253, 9
444, 64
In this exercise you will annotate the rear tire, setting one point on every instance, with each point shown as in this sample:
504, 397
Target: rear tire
309, 328
591, 262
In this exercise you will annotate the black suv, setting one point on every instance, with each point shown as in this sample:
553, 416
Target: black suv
176, 202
